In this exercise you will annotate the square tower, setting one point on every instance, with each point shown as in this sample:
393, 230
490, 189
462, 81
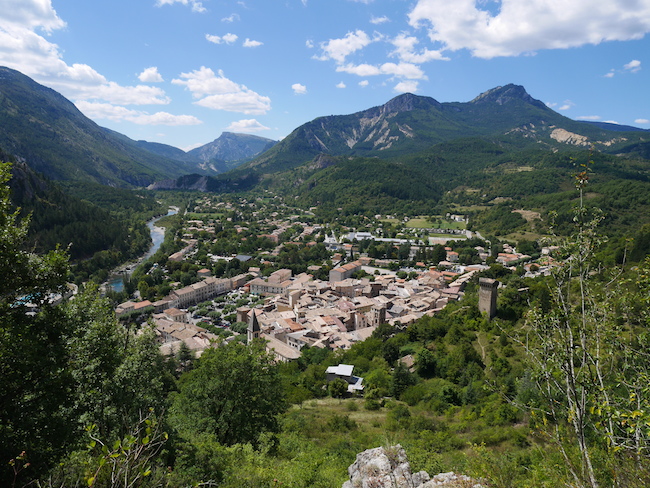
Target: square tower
487, 296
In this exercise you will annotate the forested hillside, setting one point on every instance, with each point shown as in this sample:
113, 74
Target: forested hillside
42, 127
97, 236
551, 392
410, 124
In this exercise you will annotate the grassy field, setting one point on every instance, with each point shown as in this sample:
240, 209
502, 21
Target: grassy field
423, 222
523, 235
390, 221
419, 223
434, 442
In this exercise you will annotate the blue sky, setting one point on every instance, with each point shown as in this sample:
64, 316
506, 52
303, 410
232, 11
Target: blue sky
181, 72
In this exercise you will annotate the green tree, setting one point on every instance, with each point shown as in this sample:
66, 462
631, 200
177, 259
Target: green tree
426, 363
234, 393
402, 378
115, 375
337, 388
33, 373
587, 374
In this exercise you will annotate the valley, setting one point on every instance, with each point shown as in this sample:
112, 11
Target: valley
157, 233
479, 268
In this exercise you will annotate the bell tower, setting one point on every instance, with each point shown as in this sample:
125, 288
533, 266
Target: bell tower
253, 327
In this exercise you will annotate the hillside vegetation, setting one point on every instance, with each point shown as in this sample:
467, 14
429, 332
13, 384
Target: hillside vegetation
551, 391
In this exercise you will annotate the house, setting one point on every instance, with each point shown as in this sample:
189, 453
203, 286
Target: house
344, 371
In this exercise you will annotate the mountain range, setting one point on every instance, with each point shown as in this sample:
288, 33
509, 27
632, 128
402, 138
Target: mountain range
40, 126
226, 152
408, 124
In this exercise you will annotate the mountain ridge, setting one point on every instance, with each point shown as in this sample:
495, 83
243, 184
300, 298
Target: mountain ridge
411, 123
39, 125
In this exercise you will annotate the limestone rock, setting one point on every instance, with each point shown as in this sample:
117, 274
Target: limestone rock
389, 468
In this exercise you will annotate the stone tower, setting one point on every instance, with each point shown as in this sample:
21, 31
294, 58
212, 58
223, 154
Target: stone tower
487, 296
253, 327
377, 315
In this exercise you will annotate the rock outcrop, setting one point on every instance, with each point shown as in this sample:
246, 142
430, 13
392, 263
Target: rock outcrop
389, 468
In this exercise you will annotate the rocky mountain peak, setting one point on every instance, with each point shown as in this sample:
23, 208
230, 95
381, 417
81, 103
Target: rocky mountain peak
231, 146
502, 95
408, 102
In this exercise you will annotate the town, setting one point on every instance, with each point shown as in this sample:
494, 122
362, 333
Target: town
349, 280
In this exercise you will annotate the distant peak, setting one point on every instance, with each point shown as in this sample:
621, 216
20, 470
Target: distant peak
240, 135
408, 101
502, 95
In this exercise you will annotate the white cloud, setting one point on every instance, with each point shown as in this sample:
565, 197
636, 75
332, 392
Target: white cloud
32, 15
21, 48
588, 117
379, 20
526, 26
231, 18
339, 49
633, 66
364, 83
340, 85
359, 69
299, 89
246, 125
245, 101
566, 105
405, 50
125, 95
227, 38
196, 6
251, 43
642, 121
309, 44
190, 147
150, 75
401, 70
406, 87
203, 82
219, 93
118, 114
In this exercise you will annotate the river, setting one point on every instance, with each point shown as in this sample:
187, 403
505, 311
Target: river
115, 281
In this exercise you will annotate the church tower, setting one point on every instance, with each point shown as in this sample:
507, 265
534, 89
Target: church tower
253, 327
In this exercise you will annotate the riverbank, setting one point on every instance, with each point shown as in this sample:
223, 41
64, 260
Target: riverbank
115, 279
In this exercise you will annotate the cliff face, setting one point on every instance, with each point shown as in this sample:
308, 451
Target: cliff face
389, 468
